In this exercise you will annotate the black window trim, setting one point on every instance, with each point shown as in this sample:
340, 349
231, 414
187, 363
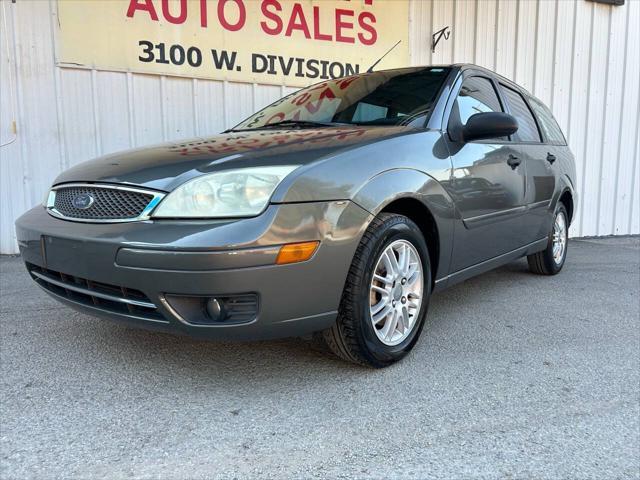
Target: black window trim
543, 140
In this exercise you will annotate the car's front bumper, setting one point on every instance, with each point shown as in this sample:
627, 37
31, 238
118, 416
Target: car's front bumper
167, 260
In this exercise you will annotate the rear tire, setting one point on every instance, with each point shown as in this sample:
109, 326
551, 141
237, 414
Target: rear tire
551, 260
380, 317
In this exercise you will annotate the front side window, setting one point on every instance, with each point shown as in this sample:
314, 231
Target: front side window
527, 128
477, 95
548, 124
386, 98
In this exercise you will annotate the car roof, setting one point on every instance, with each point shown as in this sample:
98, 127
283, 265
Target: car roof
470, 66
503, 79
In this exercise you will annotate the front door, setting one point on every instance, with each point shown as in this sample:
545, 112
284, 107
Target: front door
487, 183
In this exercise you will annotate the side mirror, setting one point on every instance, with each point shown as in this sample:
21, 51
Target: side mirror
486, 125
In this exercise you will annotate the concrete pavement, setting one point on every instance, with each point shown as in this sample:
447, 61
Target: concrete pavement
515, 376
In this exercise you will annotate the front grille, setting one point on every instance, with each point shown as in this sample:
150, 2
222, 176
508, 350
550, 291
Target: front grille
108, 203
112, 298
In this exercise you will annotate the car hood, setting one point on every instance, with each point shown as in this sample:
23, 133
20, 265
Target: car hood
166, 166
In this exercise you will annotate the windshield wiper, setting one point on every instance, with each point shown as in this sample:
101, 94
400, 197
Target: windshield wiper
291, 123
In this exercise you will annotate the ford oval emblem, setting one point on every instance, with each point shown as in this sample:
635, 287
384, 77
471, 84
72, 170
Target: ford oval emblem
83, 201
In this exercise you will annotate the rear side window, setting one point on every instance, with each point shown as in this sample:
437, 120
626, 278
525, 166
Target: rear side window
527, 128
548, 124
477, 95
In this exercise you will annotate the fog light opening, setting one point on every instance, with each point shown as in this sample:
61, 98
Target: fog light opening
209, 310
215, 310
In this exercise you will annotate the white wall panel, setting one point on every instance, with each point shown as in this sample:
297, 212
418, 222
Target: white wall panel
287, 90
579, 57
36, 93
442, 15
178, 110
265, 95
562, 73
111, 94
525, 46
420, 30
147, 109
505, 50
634, 214
576, 129
592, 160
210, 103
11, 165
238, 102
614, 96
626, 211
78, 116
485, 38
464, 26
545, 41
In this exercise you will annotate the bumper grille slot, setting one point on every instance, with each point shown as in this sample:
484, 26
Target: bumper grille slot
107, 297
241, 308
102, 203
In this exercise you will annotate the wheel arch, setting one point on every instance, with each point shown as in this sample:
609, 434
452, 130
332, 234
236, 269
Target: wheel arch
566, 198
421, 198
420, 214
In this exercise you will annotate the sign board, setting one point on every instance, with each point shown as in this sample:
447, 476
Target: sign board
264, 41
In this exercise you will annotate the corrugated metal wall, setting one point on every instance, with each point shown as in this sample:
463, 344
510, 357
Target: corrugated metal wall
580, 57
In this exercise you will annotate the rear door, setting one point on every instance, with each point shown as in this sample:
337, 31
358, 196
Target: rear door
538, 158
487, 181
554, 149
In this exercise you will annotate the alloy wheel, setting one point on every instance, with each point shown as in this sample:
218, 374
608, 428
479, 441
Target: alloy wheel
559, 239
396, 292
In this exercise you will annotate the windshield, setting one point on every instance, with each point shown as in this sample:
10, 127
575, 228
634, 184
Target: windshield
393, 97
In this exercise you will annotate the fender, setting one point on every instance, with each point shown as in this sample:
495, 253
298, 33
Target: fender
564, 185
391, 185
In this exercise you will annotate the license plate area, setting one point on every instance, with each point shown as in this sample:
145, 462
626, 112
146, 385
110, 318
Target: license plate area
71, 256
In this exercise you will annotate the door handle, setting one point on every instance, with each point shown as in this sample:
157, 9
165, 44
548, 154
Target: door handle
551, 158
513, 161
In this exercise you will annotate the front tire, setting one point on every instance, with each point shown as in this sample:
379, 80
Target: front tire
386, 295
551, 260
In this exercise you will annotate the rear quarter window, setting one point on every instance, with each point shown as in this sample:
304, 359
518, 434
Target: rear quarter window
527, 127
549, 126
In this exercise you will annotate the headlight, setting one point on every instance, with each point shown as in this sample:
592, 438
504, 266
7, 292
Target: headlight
49, 199
234, 193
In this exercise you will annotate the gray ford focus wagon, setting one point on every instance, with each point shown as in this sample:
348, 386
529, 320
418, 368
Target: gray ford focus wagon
338, 210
